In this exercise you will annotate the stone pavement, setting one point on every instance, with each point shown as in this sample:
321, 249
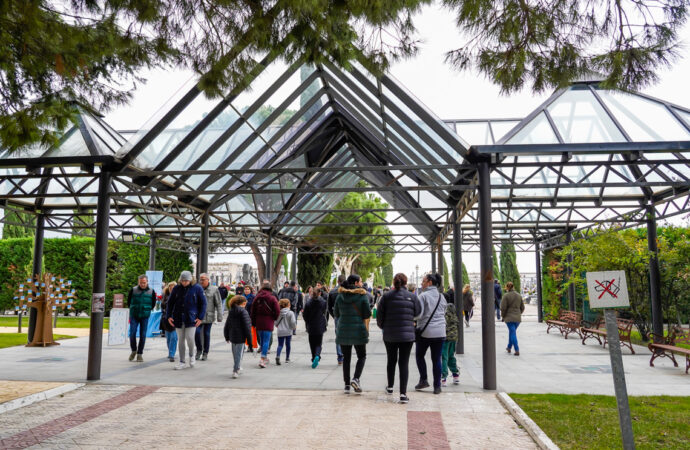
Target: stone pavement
548, 363
106, 416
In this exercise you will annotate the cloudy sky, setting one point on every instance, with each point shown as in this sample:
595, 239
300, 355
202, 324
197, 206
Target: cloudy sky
448, 93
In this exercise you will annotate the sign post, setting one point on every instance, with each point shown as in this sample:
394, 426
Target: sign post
609, 290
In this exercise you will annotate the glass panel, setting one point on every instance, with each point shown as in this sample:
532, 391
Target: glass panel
643, 119
580, 118
110, 140
501, 128
538, 131
475, 133
684, 115
74, 145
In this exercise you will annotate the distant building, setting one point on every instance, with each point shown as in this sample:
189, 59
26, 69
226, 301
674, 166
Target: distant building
227, 272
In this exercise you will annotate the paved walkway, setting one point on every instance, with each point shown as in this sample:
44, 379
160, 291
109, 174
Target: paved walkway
106, 416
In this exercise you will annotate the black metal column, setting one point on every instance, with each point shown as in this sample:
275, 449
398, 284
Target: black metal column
269, 258
37, 268
100, 265
433, 258
439, 255
537, 255
654, 277
152, 251
202, 263
571, 288
458, 283
487, 278
293, 268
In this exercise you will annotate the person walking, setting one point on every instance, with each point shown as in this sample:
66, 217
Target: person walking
237, 330
431, 330
498, 294
395, 313
332, 295
290, 292
249, 295
315, 316
265, 311
170, 333
186, 308
448, 360
141, 299
214, 311
512, 308
467, 304
285, 325
351, 311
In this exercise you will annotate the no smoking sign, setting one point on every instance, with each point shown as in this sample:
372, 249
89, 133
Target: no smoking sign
607, 289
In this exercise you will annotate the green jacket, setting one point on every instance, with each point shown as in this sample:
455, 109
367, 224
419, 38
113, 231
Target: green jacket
452, 323
351, 309
141, 302
512, 307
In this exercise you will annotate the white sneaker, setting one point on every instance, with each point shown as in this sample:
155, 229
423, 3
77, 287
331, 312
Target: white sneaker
235, 374
192, 362
180, 366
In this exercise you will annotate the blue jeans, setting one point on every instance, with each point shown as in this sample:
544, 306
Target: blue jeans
436, 346
284, 340
338, 349
171, 338
265, 339
141, 325
203, 342
512, 335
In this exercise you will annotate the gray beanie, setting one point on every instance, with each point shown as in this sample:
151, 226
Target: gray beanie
186, 276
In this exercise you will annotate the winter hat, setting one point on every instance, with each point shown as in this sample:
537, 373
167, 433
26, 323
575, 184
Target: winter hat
186, 276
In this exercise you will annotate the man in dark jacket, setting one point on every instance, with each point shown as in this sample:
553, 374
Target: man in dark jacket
141, 300
331, 303
316, 319
498, 295
186, 309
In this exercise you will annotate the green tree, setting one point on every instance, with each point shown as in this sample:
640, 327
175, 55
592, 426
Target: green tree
79, 221
72, 259
387, 273
497, 271
15, 229
15, 267
465, 276
313, 267
509, 270
360, 247
378, 277
446, 277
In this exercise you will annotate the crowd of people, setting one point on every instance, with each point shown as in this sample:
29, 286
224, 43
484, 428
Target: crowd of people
425, 317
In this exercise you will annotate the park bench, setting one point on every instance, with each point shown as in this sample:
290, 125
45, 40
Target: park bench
566, 322
666, 346
597, 330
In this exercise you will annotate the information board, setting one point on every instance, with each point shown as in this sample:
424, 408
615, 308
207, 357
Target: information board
119, 323
155, 280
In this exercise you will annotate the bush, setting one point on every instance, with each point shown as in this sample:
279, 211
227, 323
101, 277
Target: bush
15, 267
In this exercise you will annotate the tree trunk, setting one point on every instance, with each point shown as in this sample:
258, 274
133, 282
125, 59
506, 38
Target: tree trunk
260, 263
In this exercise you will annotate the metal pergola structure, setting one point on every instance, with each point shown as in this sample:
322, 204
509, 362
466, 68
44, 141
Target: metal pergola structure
266, 163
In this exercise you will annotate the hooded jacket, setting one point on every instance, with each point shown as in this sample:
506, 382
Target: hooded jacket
437, 324
286, 323
512, 307
214, 309
395, 314
315, 315
351, 309
186, 304
238, 326
265, 310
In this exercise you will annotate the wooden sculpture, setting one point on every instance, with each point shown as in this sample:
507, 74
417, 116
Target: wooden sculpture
46, 293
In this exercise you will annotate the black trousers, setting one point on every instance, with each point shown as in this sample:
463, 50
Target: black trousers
315, 341
398, 353
347, 357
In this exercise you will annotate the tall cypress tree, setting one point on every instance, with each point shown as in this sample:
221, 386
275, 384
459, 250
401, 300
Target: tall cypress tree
497, 271
509, 270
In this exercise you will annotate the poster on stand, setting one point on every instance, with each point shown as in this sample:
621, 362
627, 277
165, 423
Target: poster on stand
117, 330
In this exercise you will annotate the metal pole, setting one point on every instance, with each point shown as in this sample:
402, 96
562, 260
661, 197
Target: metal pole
537, 254
619, 379
36, 270
269, 259
439, 254
486, 278
571, 288
203, 248
152, 251
458, 283
654, 277
100, 265
293, 269
433, 258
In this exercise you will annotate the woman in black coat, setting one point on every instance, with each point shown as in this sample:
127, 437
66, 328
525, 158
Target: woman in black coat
315, 317
237, 330
395, 315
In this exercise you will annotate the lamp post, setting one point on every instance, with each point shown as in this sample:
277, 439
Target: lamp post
416, 276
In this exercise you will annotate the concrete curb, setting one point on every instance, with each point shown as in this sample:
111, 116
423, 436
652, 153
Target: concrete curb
541, 439
39, 396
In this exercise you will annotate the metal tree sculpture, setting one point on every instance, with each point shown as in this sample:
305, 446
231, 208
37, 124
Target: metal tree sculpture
46, 293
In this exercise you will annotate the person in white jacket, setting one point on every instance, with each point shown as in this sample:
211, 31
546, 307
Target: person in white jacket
430, 330
285, 325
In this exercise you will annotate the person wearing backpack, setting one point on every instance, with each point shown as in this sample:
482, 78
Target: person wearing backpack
315, 318
431, 330
395, 313
237, 330
141, 299
265, 311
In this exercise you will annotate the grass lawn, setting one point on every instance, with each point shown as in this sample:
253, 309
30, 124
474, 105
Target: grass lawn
591, 421
63, 322
12, 339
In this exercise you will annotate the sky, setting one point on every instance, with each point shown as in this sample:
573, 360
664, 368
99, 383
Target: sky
445, 91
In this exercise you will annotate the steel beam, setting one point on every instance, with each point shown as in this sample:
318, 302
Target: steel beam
293, 265
458, 284
36, 270
540, 308
654, 277
487, 278
572, 306
152, 251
